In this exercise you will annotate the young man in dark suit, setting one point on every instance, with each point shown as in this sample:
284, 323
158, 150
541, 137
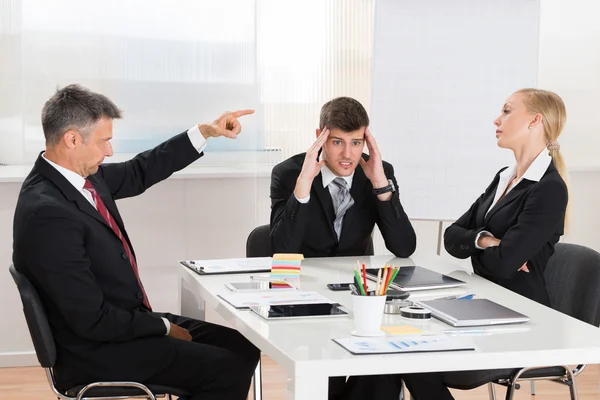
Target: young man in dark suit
325, 203
70, 241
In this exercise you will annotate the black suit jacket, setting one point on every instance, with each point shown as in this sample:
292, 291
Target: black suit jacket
308, 228
529, 220
79, 265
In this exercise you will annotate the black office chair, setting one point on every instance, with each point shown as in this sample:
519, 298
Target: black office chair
259, 243
45, 349
573, 283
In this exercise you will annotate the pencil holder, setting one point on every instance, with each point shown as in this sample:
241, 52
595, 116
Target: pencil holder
368, 313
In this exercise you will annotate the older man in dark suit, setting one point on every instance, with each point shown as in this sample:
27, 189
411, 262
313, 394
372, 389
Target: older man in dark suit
70, 241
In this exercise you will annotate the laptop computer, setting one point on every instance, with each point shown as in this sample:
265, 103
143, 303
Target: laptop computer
475, 312
412, 278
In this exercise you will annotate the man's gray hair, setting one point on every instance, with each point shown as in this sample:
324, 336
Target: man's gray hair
75, 108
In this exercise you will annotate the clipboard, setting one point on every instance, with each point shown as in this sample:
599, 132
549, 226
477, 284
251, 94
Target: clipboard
229, 265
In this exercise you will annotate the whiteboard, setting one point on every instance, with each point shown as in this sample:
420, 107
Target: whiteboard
441, 73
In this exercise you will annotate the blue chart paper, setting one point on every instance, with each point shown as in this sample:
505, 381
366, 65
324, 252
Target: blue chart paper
404, 344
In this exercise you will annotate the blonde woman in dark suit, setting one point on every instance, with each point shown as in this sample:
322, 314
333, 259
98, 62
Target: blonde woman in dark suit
510, 231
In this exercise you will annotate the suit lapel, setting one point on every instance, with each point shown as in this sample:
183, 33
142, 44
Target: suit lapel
510, 197
67, 189
485, 205
325, 201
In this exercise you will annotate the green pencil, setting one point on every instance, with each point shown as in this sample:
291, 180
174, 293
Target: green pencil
392, 279
360, 285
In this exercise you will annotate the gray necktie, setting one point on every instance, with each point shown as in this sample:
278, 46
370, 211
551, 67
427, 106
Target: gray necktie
341, 203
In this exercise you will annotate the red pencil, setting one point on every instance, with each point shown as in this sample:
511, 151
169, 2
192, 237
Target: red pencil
364, 272
389, 278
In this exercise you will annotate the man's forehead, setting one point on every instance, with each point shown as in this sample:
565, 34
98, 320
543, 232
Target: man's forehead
358, 134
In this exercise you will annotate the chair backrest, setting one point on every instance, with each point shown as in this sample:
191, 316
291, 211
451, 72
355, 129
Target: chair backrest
259, 243
35, 315
573, 282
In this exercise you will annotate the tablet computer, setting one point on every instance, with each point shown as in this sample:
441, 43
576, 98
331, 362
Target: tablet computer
287, 311
475, 312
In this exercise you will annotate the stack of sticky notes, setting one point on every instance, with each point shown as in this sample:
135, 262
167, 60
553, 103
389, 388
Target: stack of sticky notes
286, 266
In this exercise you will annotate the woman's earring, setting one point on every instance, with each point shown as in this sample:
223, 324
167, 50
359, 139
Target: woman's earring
529, 127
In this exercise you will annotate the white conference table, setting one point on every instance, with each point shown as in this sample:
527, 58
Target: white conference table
305, 350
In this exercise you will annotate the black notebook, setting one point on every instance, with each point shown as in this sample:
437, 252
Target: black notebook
412, 278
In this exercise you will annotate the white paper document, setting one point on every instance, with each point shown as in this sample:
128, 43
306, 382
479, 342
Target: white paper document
229, 265
403, 344
273, 297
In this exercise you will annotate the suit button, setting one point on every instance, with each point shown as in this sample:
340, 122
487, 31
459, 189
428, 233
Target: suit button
139, 295
124, 255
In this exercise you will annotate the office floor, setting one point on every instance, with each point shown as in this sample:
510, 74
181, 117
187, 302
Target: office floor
29, 383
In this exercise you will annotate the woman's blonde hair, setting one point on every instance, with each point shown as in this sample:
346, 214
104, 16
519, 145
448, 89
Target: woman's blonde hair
552, 108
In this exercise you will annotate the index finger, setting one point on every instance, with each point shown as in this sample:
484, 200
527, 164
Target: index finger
320, 140
241, 113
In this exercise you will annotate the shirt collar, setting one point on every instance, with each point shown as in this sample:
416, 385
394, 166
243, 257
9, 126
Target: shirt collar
74, 178
538, 167
536, 170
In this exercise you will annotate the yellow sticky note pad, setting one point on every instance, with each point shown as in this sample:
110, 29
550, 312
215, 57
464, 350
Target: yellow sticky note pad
401, 330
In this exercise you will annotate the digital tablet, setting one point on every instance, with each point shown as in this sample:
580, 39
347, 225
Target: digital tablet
286, 311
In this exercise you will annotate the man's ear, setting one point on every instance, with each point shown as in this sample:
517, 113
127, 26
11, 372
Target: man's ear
318, 132
71, 138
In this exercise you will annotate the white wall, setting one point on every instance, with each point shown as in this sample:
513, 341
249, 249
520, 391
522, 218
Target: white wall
211, 218
569, 64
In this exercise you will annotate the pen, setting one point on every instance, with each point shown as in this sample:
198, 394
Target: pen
268, 278
484, 331
457, 297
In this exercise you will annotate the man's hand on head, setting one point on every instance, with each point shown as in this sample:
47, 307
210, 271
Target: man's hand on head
374, 167
311, 166
226, 125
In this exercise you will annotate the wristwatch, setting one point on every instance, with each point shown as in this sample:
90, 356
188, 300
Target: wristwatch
385, 189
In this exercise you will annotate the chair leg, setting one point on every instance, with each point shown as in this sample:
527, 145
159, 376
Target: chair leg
492, 390
258, 381
572, 386
532, 383
510, 390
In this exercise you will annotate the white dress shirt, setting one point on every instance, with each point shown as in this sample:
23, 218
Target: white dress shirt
328, 177
78, 181
534, 173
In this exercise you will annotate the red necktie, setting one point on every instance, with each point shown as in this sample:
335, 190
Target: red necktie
111, 222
